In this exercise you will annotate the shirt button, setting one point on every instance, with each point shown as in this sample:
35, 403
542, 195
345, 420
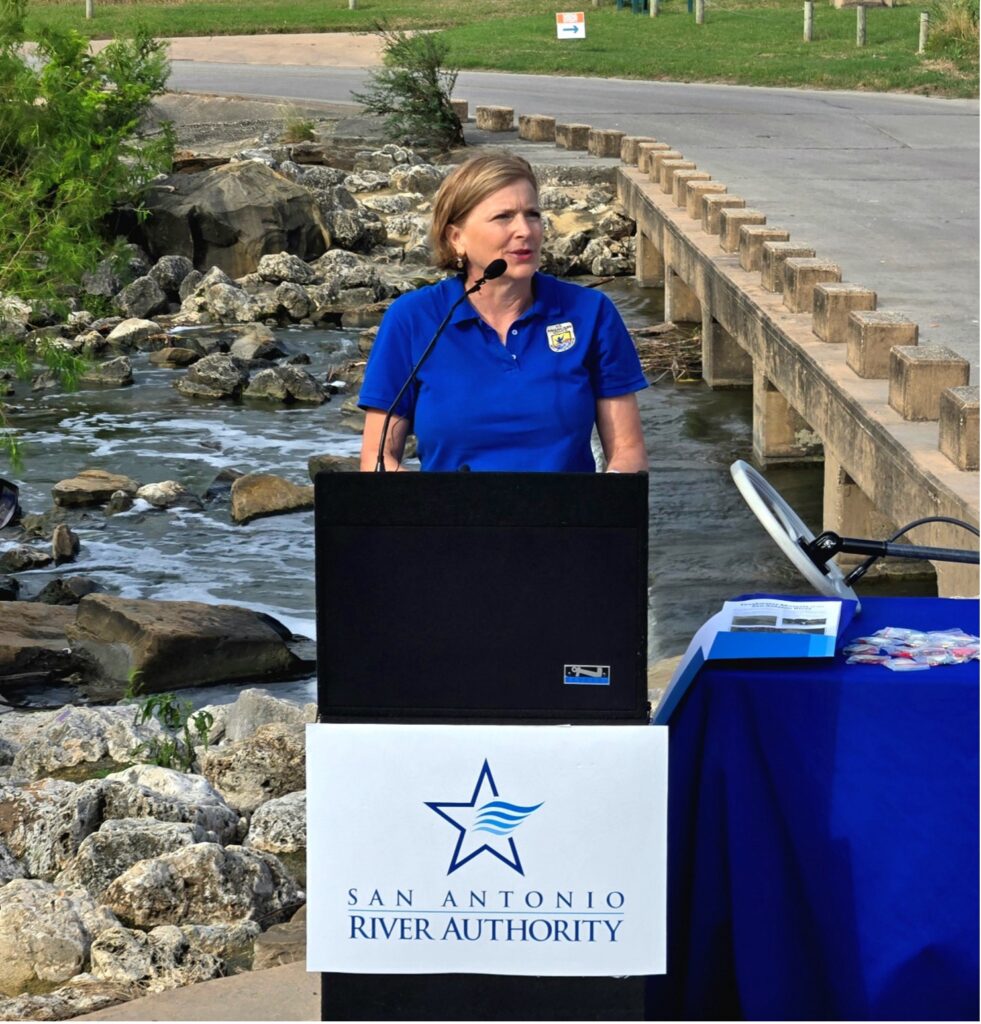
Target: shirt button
514, 332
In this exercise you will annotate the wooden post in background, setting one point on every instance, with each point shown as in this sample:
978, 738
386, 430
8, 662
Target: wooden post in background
860, 25
808, 20
89, 8
924, 31
699, 12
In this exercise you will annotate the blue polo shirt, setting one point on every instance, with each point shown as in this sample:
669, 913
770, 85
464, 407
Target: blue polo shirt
529, 405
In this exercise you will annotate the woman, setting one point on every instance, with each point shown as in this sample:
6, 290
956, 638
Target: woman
525, 367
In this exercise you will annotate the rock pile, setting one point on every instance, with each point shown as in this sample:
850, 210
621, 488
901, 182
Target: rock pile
145, 878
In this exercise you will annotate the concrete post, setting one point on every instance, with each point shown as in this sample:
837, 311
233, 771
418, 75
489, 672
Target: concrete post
604, 142
801, 276
699, 12
495, 119
572, 136
668, 167
751, 239
712, 207
681, 304
679, 188
655, 8
731, 220
629, 146
89, 8
698, 189
536, 128
646, 151
808, 21
870, 338
959, 427
771, 262
724, 363
919, 374
462, 110
658, 158
848, 512
780, 434
352, 5
832, 304
860, 25
924, 32
649, 263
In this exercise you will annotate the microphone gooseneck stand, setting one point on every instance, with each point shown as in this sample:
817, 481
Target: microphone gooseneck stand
493, 270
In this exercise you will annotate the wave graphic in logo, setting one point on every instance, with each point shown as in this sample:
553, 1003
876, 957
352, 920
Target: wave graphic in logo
501, 818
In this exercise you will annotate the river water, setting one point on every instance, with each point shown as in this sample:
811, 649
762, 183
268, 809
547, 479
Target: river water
705, 544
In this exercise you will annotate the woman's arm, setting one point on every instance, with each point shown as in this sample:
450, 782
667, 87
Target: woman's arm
398, 430
622, 437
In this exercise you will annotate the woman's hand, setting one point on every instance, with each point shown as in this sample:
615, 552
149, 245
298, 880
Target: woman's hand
620, 432
398, 430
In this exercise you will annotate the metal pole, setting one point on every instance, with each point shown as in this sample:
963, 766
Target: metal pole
924, 31
808, 20
89, 8
860, 25
699, 12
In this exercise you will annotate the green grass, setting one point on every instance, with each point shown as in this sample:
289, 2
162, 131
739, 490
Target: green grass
751, 43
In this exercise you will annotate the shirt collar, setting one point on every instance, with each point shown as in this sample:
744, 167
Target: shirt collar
546, 302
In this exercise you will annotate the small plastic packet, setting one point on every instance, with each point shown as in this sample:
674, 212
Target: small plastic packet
904, 665
867, 659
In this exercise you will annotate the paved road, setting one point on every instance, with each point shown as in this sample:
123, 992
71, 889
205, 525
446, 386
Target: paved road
886, 185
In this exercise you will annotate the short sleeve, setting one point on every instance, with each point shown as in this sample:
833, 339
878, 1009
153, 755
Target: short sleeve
614, 366
389, 364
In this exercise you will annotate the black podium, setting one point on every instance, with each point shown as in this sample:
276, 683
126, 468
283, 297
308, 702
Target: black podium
501, 598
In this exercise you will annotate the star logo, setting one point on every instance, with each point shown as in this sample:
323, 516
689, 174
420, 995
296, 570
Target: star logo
485, 824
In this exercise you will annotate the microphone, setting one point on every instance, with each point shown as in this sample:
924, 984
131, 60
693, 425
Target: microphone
493, 270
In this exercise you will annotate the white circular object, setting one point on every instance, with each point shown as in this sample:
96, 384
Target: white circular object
788, 530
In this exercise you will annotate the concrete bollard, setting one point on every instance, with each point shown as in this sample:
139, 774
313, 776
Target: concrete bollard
629, 145
832, 304
731, 220
571, 136
712, 207
462, 109
495, 119
959, 426
808, 21
536, 128
679, 188
771, 262
919, 374
870, 337
604, 142
666, 173
751, 239
924, 32
801, 275
860, 25
646, 151
654, 165
697, 190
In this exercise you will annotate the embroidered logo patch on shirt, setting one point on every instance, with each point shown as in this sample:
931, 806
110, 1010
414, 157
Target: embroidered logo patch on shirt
561, 337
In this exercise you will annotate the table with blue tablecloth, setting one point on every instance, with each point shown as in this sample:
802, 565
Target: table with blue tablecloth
823, 836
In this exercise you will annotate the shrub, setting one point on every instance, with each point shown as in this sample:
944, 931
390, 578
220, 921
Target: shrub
412, 91
954, 28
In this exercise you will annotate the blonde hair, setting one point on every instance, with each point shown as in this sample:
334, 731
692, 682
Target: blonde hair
467, 186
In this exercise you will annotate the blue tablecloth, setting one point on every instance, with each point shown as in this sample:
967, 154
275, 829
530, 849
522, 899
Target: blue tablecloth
823, 837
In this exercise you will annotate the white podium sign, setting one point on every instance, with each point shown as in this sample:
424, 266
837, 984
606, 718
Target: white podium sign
525, 850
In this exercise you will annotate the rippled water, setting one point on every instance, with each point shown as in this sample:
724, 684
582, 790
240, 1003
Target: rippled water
705, 545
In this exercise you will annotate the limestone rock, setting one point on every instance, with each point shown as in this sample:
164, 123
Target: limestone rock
280, 825
173, 644
231, 305
64, 544
170, 273
45, 933
215, 376
422, 178
285, 384
10, 866
80, 995
66, 590
231, 216
333, 464
256, 342
231, 943
15, 315
269, 764
156, 961
141, 298
9, 588
168, 494
21, 557
91, 487
122, 842
262, 494
130, 333
281, 266
282, 944
204, 884
174, 357
254, 708
366, 181
294, 299
115, 373
33, 642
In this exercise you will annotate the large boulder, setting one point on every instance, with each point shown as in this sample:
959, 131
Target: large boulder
204, 884
280, 825
33, 644
263, 494
255, 707
269, 764
232, 216
175, 644
46, 933
219, 375
91, 487
285, 384
141, 298
158, 960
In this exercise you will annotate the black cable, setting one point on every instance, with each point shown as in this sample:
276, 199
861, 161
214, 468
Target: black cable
860, 570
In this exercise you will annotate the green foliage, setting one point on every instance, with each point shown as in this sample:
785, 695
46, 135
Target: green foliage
68, 148
297, 128
412, 91
178, 720
954, 28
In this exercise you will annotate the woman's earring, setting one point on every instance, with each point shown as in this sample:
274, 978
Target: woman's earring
459, 262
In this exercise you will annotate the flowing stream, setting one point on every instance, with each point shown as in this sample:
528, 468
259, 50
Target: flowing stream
705, 544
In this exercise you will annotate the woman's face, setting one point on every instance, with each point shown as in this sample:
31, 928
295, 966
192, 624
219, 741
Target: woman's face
506, 225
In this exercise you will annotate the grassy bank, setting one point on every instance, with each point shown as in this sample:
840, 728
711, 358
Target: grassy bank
757, 43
